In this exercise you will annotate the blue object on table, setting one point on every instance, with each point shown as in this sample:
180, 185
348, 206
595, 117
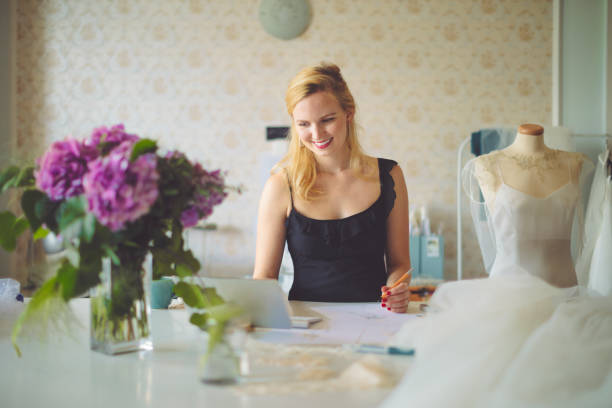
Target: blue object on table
432, 256
379, 349
161, 292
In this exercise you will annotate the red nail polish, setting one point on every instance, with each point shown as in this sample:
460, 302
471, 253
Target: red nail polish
388, 292
388, 308
383, 305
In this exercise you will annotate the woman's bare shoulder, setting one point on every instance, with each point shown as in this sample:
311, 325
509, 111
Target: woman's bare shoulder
369, 167
277, 184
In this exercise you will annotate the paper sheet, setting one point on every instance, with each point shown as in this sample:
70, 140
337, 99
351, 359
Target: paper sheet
352, 323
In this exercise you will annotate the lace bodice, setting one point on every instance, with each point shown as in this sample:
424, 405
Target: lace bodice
543, 168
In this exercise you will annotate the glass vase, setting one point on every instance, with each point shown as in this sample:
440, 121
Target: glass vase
120, 309
226, 361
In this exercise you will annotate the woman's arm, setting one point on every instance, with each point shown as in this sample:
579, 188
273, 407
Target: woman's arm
273, 209
398, 245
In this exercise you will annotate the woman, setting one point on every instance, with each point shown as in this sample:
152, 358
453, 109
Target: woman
344, 214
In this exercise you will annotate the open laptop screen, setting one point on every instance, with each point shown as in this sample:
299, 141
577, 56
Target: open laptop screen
263, 300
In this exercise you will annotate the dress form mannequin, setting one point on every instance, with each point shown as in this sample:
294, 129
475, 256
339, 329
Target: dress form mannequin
531, 194
527, 165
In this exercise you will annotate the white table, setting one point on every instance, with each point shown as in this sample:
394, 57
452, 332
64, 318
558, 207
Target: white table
63, 372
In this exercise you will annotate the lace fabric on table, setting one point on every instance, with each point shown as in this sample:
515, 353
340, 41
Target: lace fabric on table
536, 219
280, 369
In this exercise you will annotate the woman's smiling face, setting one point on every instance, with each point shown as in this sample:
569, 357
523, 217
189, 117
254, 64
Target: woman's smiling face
321, 123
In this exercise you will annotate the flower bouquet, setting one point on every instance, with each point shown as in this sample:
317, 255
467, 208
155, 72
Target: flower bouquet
120, 207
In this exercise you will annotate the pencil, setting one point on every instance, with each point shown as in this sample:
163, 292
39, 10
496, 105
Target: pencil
401, 279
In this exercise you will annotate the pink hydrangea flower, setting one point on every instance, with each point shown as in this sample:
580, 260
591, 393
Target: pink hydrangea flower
113, 136
61, 169
118, 191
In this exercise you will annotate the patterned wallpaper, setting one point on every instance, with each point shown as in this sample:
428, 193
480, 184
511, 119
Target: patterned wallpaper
205, 77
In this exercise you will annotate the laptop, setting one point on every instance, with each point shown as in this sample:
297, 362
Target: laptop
262, 299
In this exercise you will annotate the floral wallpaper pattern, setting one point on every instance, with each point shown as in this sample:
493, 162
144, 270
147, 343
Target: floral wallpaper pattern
204, 76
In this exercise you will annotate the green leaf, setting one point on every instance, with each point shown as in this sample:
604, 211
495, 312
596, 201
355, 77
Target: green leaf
8, 177
188, 260
176, 237
111, 254
47, 292
143, 146
215, 334
40, 233
66, 278
70, 211
10, 229
212, 297
8, 240
183, 271
89, 267
21, 224
29, 201
163, 261
224, 312
168, 262
25, 178
199, 320
43, 212
89, 227
72, 253
191, 294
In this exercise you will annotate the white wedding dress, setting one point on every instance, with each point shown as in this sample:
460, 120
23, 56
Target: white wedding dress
514, 339
595, 262
508, 341
542, 235
535, 233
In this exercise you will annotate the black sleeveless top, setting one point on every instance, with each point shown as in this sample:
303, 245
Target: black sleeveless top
342, 260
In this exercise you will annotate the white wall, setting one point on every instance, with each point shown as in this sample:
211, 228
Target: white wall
583, 66
204, 77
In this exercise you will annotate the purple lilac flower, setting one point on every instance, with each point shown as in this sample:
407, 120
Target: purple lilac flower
190, 217
210, 192
119, 191
113, 136
61, 169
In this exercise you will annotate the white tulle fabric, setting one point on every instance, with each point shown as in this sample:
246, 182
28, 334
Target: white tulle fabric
508, 341
595, 261
534, 233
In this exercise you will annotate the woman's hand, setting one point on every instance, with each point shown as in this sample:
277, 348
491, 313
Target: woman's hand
396, 299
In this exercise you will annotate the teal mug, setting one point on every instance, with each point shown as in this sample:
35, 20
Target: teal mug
161, 292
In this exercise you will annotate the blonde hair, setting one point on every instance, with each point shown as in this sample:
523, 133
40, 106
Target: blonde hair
299, 162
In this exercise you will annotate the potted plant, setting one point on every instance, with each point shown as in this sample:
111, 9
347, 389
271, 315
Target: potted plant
120, 207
